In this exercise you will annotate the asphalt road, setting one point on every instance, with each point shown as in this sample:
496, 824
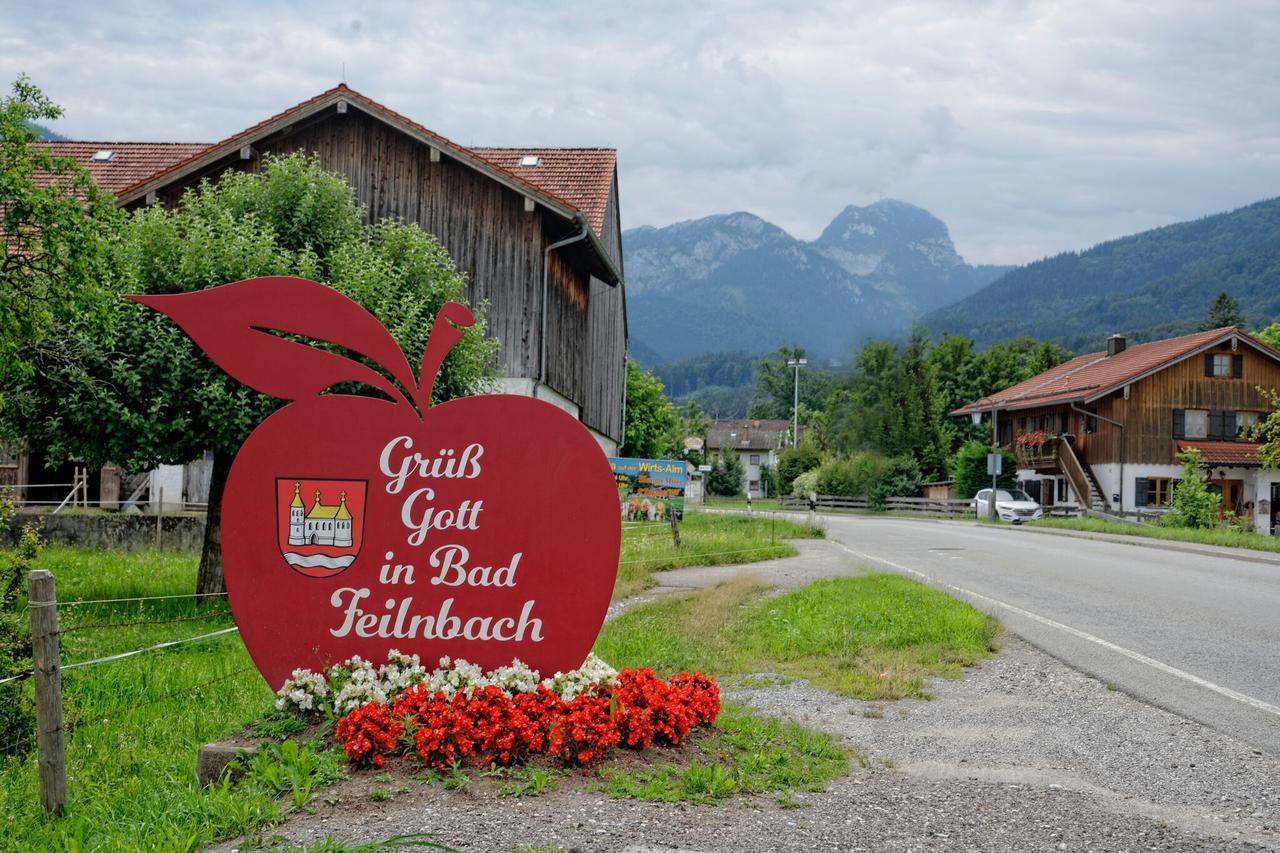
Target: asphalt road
1194, 634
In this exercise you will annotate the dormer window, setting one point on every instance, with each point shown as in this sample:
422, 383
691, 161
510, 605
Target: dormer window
103, 156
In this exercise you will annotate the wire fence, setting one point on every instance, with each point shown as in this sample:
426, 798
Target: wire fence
52, 729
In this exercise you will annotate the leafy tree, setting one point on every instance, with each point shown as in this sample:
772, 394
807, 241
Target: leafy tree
891, 404
651, 423
1224, 311
725, 477
1193, 505
694, 423
56, 225
1270, 335
137, 392
1268, 431
969, 470
794, 461
775, 391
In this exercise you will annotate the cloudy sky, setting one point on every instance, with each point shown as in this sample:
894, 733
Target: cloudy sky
1028, 127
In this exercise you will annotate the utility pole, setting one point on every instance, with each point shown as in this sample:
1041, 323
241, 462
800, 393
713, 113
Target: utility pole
995, 463
795, 364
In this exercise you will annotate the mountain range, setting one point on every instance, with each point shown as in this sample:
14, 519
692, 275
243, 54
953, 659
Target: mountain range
1149, 285
735, 282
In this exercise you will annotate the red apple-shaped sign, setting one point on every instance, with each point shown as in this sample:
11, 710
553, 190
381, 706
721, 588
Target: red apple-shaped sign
484, 528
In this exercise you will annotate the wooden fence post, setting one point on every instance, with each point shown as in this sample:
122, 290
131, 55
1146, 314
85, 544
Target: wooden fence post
159, 504
42, 602
675, 528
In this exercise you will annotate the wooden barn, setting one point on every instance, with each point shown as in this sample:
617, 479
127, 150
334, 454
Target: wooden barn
536, 230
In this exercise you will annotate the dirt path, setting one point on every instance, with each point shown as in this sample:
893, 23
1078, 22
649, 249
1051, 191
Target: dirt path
1023, 753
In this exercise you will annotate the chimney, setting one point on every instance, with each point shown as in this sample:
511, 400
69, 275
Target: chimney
1115, 345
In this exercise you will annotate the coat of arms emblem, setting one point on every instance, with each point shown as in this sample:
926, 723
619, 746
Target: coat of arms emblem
320, 524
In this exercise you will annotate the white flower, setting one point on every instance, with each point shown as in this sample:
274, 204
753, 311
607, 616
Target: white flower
304, 690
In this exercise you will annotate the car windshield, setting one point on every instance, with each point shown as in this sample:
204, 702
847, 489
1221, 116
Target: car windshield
1015, 495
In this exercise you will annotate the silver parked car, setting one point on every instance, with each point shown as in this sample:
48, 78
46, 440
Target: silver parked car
1011, 505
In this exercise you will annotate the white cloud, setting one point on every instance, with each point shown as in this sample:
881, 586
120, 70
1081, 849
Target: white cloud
1029, 127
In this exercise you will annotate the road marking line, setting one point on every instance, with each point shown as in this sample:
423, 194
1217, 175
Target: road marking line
1076, 632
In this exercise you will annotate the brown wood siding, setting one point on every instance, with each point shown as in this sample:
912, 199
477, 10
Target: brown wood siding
606, 370
485, 229
1148, 413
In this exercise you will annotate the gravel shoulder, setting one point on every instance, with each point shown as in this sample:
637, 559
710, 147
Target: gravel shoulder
1023, 753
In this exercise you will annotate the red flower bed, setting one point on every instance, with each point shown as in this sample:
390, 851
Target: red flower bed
585, 729
369, 733
487, 726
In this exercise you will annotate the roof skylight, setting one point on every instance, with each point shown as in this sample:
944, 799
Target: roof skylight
104, 156
530, 160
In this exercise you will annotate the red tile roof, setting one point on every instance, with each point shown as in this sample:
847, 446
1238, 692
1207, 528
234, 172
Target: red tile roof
1233, 454
134, 161
1090, 376
581, 176
576, 180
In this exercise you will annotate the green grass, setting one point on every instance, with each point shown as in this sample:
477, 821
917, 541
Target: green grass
1218, 536
134, 725
869, 637
705, 540
750, 754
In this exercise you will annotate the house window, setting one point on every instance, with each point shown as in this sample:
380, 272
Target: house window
754, 485
755, 458
1195, 424
1224, 365
1246, 423
1154, 491
1062, 490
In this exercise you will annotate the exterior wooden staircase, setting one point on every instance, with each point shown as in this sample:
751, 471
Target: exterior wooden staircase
1081, 477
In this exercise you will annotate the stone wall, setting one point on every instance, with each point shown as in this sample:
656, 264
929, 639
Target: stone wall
117, 531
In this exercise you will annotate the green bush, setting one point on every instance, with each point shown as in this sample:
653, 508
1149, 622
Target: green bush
1193, 504
853, 476
795, 461
901, 479
969, 469
725, 477
806, 484
17, 720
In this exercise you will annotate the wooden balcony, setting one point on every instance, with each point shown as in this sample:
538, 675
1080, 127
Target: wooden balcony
1037, 456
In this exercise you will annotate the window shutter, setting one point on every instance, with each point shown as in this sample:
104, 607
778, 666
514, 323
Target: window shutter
1140, 486
1179, 423
1229, 428
1237, 365
1215, 425
1208, 364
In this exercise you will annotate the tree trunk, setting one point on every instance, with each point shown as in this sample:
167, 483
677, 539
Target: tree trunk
210, 580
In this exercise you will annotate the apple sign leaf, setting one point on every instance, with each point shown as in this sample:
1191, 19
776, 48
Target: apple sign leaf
239, 325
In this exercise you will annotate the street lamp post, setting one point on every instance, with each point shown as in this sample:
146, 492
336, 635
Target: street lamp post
795, 364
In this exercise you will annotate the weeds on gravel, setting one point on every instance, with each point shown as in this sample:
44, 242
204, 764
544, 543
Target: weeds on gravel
869, 637
530, 782
705, 540
750, 754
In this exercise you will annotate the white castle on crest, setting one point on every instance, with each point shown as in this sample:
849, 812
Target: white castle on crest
321, 525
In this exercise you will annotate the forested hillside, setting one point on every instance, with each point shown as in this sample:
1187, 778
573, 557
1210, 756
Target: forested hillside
1147, 285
